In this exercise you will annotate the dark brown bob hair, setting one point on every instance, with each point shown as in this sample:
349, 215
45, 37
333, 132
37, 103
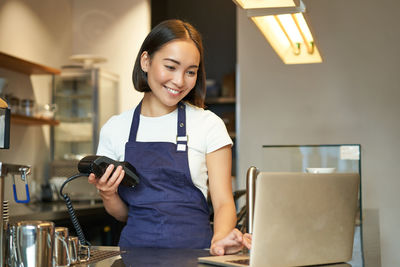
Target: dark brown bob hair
160, 35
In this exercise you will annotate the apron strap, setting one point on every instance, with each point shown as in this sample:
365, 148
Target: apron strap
135, 123
181, 138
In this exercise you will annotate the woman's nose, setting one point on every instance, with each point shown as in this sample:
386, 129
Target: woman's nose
179, 79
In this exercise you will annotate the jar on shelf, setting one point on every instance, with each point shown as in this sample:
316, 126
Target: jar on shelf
13, 103
27, 107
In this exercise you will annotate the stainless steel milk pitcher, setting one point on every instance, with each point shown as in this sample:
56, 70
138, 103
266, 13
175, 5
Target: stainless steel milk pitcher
32, 244
62, 257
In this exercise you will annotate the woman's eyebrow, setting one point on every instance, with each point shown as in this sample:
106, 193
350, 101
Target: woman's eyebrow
178, 63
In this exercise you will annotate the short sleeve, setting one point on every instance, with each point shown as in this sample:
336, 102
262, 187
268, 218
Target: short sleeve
113, 136
217, 134
105, 147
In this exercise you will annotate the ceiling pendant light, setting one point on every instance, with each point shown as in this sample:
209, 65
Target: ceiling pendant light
249, 4
285, 28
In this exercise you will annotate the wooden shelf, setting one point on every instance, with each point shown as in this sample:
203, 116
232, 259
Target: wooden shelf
27, 67
220, 100
24, 66
26, 120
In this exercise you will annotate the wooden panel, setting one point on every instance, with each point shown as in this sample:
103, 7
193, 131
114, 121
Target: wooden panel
24, 66
25, 120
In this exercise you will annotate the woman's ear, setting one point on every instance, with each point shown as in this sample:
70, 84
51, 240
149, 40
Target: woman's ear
145, 61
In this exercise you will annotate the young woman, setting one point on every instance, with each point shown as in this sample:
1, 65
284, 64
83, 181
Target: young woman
175, 146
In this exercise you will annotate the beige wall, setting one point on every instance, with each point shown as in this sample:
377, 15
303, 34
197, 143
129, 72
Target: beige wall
352, 97
114, 30
36, 30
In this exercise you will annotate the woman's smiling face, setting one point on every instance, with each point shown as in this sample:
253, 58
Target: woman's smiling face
172, 71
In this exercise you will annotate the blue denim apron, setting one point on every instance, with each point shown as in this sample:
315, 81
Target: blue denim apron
166, 209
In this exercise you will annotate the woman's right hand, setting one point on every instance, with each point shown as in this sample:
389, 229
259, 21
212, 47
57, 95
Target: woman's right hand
108, 184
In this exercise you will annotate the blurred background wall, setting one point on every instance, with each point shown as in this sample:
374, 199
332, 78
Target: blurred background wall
350, 98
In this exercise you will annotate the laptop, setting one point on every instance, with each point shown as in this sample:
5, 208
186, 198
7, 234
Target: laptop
300, 219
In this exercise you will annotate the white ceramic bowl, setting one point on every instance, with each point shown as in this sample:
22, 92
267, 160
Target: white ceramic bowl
320, 170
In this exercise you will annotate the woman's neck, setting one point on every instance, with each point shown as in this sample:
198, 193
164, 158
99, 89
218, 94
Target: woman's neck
152, 107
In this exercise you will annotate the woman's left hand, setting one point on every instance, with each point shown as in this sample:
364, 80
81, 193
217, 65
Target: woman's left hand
230, 244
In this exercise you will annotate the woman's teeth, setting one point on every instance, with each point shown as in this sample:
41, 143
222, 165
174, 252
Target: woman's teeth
173, 91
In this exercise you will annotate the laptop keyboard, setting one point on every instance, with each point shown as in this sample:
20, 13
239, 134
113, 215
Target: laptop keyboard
244, 261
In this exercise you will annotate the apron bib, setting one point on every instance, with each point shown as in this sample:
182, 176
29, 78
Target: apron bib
165, 209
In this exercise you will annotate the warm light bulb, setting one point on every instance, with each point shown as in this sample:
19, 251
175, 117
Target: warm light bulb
290, 37
290, 27
304, 26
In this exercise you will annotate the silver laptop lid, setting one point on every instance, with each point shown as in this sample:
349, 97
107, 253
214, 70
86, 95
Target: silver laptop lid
303, 218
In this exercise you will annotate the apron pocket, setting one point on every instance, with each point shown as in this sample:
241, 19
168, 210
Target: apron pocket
158, 185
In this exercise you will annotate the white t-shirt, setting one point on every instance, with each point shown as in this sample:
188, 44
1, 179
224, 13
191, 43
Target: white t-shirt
205, 130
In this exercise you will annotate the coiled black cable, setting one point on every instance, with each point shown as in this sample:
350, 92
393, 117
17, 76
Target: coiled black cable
71, 209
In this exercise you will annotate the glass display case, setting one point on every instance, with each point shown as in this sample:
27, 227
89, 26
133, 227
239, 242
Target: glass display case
341, 158
86, 99
297, 158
